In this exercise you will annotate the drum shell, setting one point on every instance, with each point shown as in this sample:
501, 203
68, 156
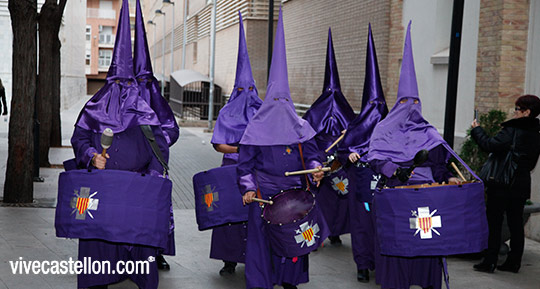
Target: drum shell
294, 238
218, 200
459, 220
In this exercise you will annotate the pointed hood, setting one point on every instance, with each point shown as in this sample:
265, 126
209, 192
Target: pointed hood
118, 104
276, 122
373, 106
404, 131
148, 84
122, 61
143, 64
330, 114
244, 101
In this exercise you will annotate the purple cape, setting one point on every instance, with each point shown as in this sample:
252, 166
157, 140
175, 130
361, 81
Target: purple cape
330, 114
117, 105
244, 101
404, 131
374, 106
276, 122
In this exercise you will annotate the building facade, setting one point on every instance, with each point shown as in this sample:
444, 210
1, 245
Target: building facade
499, 59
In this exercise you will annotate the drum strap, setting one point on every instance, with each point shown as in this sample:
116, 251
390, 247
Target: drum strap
303, 164
149, 134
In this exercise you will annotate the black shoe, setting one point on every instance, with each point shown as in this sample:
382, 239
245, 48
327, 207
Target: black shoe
428, 287
288, 286
509, 267
363, 275
485, 267
162, 263
5, 112
228, 268
334, 240
99, 287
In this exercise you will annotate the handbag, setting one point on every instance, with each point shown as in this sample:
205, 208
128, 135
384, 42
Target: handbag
500, 168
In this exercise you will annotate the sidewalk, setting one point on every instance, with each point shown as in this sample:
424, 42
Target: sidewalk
29, 233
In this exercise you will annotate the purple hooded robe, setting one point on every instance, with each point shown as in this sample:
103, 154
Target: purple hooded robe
268, 148
118, 105
329, 115
394, 143
356, 140
229, 241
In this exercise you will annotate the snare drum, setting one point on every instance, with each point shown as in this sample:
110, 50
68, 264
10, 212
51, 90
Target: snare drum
294, 224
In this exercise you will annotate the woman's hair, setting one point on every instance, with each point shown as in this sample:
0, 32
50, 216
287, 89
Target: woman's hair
1, 85
531, 102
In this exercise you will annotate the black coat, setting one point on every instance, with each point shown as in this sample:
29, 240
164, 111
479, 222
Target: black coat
527, 132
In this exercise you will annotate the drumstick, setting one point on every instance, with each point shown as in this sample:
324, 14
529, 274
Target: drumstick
263, 201
336, 141
303, 172
458, 171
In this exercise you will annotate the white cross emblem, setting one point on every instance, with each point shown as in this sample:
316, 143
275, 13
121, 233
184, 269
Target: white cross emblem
83, 203
340, 184
425, 223
307, 234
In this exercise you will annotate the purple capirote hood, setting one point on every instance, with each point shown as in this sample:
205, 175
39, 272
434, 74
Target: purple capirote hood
404, 131
276, 121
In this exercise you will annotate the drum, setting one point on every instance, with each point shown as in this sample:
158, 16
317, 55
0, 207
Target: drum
294, 224
218, 200
113, 205
431, 220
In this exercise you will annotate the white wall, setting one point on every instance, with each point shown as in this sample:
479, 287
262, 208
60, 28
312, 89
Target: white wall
6, 42
532, 86
430, 32
72, 37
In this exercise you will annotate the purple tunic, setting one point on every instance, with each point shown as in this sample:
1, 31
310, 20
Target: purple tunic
125, 146
263, 167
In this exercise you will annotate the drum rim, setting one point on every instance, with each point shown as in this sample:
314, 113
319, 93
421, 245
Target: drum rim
294, 221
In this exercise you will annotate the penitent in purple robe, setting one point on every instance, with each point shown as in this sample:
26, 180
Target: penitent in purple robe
361, 179
264, 167
229, 241
394, 143
329, 115
129, 151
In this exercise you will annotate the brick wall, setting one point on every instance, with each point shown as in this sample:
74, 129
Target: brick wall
306, 31
395, 51
502, 50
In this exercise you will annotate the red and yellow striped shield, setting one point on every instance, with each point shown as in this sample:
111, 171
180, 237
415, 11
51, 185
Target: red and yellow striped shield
208, 199
425, 224
341, 186
308, 234
82, 204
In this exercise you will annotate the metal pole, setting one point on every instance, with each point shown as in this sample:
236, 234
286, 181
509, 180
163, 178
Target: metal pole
184, 37
212, 58
453, 73
172, 41
154, 54
270, 35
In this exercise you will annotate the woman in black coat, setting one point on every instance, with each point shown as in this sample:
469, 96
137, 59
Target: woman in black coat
510, 200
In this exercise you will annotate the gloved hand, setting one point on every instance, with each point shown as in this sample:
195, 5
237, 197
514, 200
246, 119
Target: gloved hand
403, 174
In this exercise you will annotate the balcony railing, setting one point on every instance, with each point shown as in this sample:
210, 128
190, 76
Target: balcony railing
100, 13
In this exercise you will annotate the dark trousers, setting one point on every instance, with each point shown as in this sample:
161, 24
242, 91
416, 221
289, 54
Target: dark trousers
497, 205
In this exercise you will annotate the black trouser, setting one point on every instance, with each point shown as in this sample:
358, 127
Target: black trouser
497, 205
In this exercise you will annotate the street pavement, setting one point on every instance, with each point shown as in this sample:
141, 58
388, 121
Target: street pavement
28, 232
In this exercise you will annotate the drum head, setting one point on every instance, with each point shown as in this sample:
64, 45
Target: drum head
289, 206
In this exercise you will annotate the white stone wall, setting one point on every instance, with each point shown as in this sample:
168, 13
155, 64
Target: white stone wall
6, 41
532, 86
72, 37
431, 24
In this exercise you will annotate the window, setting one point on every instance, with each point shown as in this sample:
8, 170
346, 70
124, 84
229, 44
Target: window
194, 52
105, 56
88, 32
88, 56
106, 35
